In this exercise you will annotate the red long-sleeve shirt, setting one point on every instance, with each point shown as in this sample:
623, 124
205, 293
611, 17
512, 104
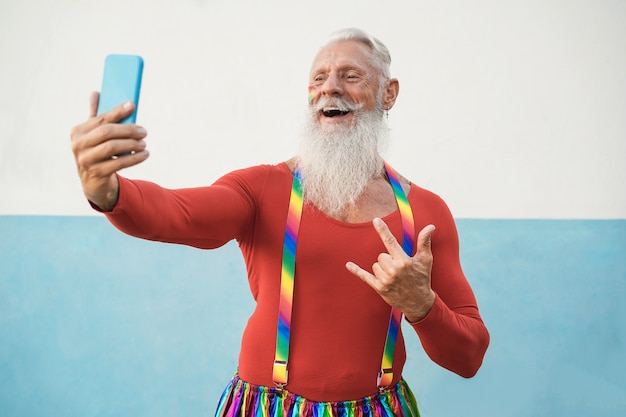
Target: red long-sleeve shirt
339, 323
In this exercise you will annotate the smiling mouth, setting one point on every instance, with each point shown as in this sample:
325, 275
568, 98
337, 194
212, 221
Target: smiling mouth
334, 112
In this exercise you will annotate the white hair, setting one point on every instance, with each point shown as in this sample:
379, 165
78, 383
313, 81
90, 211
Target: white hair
381, 58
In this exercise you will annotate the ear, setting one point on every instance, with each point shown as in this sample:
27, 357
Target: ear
390, 94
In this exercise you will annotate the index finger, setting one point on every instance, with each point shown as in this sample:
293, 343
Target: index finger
389, 240
95, 120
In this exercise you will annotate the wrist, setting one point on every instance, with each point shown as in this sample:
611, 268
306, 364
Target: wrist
420, 312
105, 201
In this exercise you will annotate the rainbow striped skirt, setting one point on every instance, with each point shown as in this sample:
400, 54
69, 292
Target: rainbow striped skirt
242, 399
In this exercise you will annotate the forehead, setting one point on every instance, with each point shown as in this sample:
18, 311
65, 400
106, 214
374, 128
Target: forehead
347, 53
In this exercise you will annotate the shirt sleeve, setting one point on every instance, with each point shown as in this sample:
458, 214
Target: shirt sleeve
453, 333
203, 217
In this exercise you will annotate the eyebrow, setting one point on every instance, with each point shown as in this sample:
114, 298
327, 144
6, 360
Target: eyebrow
348, 67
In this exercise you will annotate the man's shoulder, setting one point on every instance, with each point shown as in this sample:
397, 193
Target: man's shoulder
261, 170
255, 176
424, 195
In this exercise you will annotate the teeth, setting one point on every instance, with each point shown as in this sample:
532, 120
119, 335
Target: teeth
334, 111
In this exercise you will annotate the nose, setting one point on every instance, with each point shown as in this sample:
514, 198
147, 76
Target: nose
332, 86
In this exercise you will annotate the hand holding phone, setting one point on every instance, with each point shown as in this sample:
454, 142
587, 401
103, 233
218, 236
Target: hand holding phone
96, 166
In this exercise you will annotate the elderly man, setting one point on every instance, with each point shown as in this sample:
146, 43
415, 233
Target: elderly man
338, 247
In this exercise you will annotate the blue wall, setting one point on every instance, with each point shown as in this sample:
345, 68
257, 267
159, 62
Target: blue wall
95, 323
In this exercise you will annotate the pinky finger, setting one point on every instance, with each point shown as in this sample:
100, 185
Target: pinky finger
125, 161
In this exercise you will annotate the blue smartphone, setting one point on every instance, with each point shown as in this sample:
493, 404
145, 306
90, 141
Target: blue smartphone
121, 82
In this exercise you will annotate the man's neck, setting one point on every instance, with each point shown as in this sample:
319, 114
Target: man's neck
376, 200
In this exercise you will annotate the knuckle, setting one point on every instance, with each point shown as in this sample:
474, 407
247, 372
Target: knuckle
77, 132
392, 273
108, 148
75, 148
378, 285
118, 164
100, 119
103, 130
383, 286
426, 258
73, 132
81, 161
92, 172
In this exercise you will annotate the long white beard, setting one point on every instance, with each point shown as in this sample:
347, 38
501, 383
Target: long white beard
337, 161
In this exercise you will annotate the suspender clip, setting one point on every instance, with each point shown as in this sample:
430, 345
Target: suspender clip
385, 377
280, 374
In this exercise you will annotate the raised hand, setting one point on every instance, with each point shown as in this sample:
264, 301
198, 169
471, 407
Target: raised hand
401, 280
96, 143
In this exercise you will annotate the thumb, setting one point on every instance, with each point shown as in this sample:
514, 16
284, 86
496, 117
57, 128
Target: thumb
93, 103
423, 239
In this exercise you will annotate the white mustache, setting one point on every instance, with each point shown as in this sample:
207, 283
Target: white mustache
337, 103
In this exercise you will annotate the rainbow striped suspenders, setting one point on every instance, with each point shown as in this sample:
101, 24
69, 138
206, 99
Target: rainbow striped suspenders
280, 374
286, 283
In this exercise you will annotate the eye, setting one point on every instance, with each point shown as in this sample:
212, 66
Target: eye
352, 76
319, 79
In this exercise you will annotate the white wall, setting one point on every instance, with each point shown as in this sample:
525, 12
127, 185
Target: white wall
510, 109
